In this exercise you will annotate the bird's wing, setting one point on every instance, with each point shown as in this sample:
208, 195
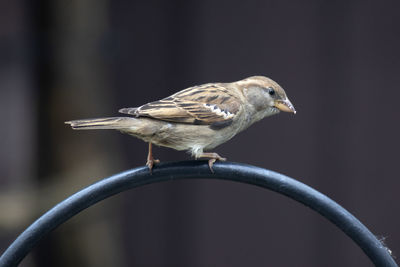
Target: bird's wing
209, 104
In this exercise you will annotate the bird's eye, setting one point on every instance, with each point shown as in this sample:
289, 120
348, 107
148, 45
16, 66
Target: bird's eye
270, 91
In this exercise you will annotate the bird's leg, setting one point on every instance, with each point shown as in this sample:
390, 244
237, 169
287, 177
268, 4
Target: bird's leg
150, 160
212, 157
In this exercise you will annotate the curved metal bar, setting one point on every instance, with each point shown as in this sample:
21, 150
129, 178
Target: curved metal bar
282, 184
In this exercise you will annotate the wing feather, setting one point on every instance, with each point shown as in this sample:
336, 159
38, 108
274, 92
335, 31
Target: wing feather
209, 104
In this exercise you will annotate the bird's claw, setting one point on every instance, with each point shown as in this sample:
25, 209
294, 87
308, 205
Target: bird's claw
213, 160
150, 163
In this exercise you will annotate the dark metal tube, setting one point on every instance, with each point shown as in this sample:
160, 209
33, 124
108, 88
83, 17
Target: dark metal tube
282, 184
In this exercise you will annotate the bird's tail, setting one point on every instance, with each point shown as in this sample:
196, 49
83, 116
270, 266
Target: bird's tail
104, 123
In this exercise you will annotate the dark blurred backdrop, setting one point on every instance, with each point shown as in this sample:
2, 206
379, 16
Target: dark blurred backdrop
339, 62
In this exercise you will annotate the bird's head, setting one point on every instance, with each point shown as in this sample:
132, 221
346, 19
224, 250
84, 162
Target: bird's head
265, 95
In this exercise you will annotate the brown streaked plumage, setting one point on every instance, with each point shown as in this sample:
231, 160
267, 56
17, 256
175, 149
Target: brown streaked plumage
200, 117
201, 105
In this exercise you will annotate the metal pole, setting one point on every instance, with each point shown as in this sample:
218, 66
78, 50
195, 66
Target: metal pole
277, 182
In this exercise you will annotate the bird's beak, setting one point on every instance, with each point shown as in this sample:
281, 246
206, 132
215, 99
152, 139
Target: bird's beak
285, 105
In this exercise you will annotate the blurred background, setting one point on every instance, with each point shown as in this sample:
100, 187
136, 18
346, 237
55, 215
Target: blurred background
339, 62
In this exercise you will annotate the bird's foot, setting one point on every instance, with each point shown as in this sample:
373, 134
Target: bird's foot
150, 160
212, 158
150, 163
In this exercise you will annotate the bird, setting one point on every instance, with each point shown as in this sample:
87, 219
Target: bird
198, 118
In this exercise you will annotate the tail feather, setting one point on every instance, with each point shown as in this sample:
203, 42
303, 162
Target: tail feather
103, 123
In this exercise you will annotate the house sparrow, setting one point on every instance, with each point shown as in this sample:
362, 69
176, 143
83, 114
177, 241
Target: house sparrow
198, 118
